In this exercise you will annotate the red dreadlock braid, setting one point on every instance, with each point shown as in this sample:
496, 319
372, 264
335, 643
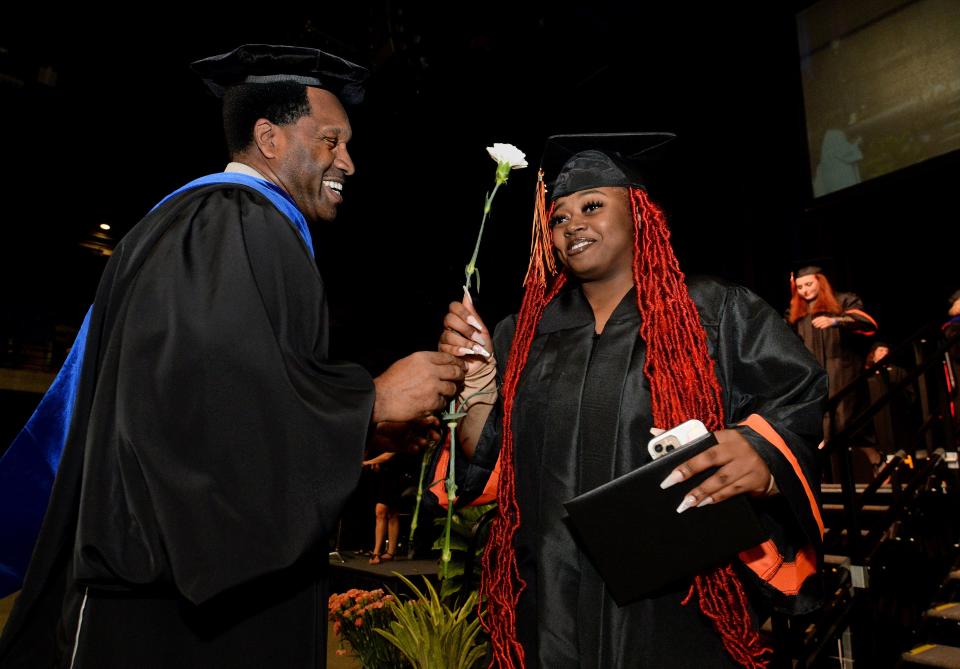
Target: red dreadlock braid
501, 582
677, 359
677, 356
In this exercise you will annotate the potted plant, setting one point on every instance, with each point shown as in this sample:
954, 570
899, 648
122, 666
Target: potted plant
430, 635
356, 614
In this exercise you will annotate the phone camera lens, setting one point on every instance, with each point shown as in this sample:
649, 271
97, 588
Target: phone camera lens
658, 448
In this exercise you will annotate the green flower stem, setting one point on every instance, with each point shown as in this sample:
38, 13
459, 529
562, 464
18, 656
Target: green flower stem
472, 265
451, 491
424, 463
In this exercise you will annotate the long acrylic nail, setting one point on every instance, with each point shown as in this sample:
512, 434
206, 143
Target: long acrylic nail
466, 351
477, 337
477, 348
687, 502
674, 478
706, 500
474, 322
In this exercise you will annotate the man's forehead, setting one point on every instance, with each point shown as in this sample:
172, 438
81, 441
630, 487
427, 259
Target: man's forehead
328, 113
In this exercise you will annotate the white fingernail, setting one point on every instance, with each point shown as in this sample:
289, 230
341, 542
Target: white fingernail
705, 501
656, 431
474, 322
477, 337
674, 478
477, 348
687, 502
466, 351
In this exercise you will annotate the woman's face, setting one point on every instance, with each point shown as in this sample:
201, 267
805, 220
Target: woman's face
808, 287
593, 232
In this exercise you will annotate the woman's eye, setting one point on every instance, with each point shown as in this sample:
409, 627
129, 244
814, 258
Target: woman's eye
557, 220
592, 206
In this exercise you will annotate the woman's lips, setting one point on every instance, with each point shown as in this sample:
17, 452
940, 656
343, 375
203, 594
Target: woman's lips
579, 245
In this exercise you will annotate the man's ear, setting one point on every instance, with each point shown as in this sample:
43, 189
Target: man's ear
268, 138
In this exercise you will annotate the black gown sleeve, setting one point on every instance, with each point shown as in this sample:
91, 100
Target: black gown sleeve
221, 443
853, 317
775, 394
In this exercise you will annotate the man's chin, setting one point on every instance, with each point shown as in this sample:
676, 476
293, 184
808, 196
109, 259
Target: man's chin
324, 215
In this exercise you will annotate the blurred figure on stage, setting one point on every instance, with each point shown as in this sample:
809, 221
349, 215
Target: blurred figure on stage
833, 327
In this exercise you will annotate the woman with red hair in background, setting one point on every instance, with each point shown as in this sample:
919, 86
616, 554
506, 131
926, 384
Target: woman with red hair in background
831, 325
610, 343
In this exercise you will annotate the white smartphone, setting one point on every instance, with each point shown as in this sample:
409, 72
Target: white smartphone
674, 438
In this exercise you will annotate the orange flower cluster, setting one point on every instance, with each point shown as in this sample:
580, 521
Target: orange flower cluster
355, 615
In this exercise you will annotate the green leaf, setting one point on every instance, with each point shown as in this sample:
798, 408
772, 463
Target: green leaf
449, 587
433, 636
455, 569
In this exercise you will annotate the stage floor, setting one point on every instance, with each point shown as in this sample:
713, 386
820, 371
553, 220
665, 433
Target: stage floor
355, 571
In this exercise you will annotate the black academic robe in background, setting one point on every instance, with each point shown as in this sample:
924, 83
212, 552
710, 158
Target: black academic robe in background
840, 350
582, 417
212, 447
895, 425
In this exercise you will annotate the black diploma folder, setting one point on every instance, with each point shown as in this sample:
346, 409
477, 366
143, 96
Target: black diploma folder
633, 535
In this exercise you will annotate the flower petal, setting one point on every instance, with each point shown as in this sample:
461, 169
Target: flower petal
508, 153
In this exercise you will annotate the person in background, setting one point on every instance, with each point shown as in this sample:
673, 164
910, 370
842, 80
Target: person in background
392, 471
894, 425
840, 156
951, 329
832, 327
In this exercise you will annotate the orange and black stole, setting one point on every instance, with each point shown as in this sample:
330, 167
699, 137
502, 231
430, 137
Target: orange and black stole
676, 359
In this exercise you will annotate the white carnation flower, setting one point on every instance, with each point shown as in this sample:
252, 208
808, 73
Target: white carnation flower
508, 153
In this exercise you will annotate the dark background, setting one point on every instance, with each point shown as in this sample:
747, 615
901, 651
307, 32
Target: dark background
102, 118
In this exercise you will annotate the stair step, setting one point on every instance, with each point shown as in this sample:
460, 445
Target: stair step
842, 560
866, 507
863, 532
948, 611
933, 655
834, 488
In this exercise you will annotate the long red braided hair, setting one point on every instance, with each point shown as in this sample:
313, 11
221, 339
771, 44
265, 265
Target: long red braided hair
676, 359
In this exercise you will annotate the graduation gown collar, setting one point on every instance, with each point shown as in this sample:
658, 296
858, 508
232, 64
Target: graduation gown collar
570, 309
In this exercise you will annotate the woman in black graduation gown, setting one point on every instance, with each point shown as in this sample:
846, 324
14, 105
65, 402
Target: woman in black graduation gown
613, 344
833, 326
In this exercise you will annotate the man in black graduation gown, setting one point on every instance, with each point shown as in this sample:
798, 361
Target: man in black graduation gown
213, 443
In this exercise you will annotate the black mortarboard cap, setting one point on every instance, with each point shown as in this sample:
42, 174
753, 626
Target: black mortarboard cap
807, 270
806, 266
573, 163
267, 63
